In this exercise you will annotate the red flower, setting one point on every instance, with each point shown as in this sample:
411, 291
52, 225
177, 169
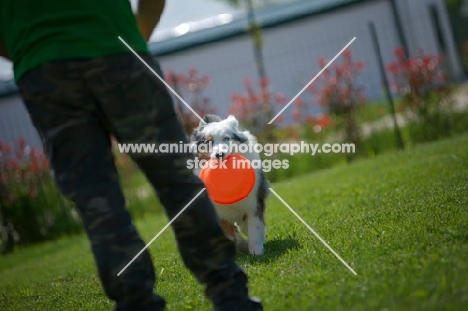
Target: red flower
280, 99
21, 142
400, 52
296, 114
323, 62
170, 77
7, 148
323, 121
264, 82
192, 72
298, 102
248, 83
280, 119
347, 54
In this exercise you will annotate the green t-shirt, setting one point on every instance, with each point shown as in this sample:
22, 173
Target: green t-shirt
35, 32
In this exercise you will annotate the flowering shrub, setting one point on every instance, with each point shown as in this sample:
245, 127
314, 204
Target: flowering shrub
304, 124
193, 85
422, 85
417, 79
253, 107
338, 93
24, 165
31, 207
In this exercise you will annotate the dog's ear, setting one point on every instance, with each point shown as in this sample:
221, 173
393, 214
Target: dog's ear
210, 118
196, 135
232, 122
239, 134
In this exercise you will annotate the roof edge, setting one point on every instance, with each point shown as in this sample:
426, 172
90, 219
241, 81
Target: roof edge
238, 27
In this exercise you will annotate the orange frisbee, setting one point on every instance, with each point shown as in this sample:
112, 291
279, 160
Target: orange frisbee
229, 182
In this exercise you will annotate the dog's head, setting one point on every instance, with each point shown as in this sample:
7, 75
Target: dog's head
216, 135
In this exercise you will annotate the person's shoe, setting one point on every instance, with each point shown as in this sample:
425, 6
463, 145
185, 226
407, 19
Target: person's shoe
153, 303
255, 304
251, 304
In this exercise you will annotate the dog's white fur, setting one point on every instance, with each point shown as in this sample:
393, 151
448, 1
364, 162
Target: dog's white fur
247, 214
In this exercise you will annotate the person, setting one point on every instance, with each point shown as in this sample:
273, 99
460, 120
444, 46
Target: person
80, 85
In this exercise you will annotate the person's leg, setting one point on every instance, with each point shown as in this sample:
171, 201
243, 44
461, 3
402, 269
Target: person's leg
140, 110
77, 143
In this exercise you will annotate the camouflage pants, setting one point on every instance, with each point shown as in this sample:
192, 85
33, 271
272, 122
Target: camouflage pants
76, 105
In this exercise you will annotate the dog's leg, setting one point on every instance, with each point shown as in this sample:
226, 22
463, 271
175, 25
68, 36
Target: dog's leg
256, 230
241, 243
233, 234
262, 195
229, 230
243, 225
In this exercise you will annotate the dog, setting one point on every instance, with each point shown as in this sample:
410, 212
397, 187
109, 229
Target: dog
248, 215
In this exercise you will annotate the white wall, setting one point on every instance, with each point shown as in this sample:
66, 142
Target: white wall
291, 50
15, 123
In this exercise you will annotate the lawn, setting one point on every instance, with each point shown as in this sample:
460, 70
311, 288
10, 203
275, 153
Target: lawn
399, 219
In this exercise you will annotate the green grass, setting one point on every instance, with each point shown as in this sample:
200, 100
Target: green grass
399, 219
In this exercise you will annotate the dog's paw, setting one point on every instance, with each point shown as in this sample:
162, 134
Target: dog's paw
257, 250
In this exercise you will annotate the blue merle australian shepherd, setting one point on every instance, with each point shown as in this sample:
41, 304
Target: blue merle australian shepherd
248, 215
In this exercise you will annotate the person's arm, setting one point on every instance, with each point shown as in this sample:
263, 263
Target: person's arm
148, 15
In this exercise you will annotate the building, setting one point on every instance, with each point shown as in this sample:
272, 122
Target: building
296, 35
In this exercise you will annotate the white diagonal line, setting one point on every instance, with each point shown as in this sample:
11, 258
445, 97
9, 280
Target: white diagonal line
312, 81
312, 230
160, 232
162, 80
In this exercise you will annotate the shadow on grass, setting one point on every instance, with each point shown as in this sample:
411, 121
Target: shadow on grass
273, 250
